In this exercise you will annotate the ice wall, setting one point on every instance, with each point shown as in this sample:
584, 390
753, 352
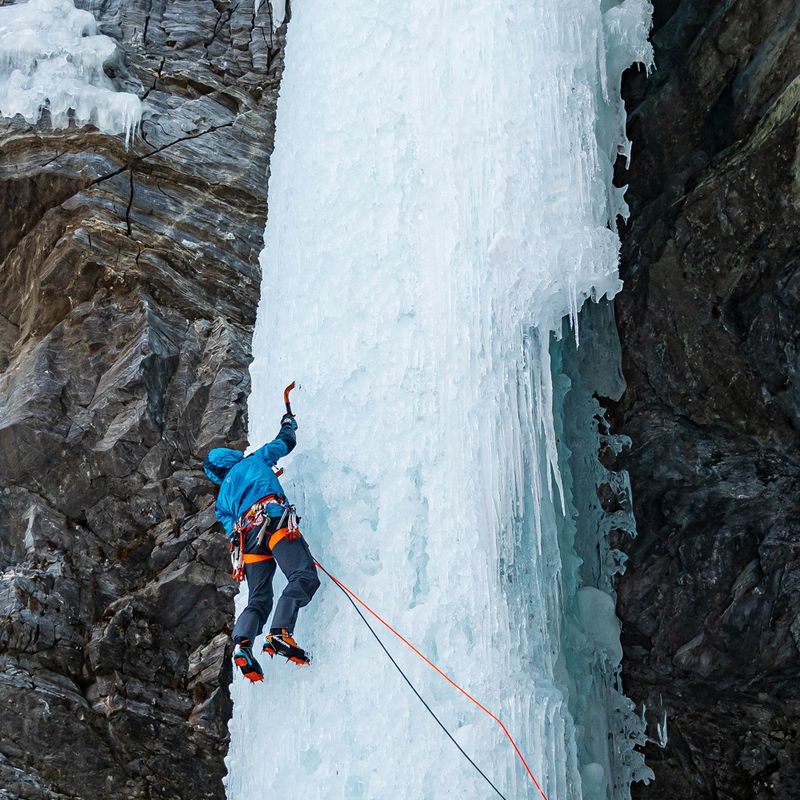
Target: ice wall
52, 59
440, 200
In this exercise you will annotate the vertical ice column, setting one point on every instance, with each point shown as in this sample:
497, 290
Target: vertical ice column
440, 199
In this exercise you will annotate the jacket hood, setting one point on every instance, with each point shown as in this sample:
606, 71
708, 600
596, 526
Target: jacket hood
219, 461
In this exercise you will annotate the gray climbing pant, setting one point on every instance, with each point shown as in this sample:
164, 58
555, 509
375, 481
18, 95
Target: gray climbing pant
295, 561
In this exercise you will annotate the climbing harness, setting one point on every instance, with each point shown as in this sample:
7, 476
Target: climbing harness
256, 516
354, 598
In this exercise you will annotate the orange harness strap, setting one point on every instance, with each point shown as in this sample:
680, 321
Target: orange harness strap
276, 537
254, 558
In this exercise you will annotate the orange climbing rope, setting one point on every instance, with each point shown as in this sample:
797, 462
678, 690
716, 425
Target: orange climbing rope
430, 663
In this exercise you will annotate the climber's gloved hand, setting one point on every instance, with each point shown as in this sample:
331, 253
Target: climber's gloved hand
288, 419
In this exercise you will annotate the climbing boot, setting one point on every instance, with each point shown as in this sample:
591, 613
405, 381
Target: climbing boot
279, 642
244, 659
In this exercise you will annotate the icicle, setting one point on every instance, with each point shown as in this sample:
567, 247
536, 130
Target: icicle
51, 60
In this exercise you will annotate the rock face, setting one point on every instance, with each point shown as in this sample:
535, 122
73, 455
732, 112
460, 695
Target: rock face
129, 282
709, 321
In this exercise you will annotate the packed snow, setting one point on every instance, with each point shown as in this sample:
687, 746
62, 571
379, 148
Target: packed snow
52, 60
440, 201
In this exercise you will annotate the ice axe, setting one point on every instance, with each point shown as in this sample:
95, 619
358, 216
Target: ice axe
278, 471
286, 398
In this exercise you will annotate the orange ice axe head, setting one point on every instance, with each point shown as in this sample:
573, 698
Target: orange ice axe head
286, 397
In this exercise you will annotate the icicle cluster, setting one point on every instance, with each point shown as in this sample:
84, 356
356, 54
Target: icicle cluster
52, 60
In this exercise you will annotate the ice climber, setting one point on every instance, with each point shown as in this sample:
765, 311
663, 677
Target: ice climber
262, 529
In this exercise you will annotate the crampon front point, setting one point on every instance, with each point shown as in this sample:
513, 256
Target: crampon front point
282, 644
244, 659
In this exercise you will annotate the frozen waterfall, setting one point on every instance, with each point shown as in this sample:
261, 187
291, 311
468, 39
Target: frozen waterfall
440, 201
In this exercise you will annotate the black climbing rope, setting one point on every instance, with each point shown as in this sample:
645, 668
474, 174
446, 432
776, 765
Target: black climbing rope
412, 687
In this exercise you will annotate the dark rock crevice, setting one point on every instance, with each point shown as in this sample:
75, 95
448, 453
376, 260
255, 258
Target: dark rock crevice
129, 282
709, 323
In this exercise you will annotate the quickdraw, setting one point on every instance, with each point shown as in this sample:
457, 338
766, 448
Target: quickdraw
289, 517
237, 557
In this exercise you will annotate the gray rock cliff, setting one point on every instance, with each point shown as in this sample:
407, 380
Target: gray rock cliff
709, 321
129, 281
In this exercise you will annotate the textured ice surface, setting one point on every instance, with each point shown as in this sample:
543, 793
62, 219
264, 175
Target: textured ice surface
440, 200
52, 58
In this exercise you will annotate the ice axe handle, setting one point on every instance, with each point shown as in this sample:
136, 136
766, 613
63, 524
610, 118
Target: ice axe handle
286, 397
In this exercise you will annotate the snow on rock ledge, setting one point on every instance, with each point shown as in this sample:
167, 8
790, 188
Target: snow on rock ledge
52, 59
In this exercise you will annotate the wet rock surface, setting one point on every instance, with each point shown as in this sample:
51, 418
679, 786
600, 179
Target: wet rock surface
129, 282
709, 322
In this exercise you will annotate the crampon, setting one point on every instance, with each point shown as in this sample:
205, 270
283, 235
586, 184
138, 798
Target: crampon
281, 643
244, 659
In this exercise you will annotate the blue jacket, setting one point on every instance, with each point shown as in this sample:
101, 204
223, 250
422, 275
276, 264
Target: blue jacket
245, 480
